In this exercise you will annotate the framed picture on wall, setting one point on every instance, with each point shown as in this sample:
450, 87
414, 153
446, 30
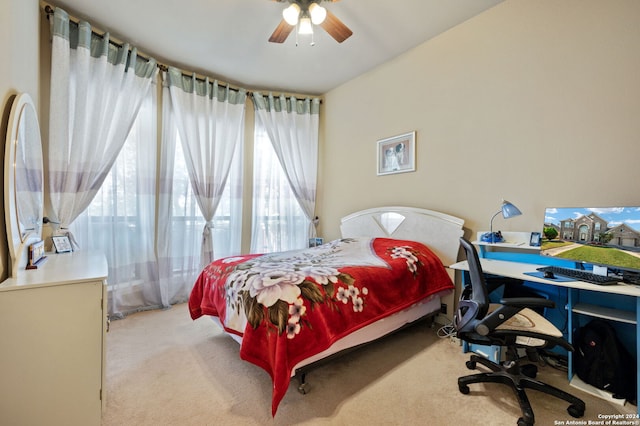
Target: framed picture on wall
397, 154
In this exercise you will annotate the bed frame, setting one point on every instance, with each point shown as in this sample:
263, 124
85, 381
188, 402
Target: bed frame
440, 232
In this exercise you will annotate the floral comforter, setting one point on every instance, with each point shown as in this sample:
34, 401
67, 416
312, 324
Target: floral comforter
291, 305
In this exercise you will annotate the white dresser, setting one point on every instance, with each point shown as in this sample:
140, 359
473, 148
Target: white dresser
53, 322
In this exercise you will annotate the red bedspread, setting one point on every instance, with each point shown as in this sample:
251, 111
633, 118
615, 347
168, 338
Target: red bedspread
292, 305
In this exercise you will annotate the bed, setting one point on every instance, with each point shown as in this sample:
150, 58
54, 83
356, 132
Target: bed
291, 310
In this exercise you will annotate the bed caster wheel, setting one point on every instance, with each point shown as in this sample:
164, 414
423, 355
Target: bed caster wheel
303, 388
523, 422
464, 389
471, 365
575, 411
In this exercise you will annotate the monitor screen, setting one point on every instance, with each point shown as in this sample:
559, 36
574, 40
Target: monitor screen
604, 236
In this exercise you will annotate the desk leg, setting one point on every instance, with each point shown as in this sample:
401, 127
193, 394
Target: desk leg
571, 298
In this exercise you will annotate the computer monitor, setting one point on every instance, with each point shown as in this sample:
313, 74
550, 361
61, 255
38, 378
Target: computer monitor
601, 236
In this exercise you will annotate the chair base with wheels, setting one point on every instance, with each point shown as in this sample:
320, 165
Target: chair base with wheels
518, 377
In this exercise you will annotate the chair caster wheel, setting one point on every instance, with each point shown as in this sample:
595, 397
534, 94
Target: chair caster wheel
471, 365
523, 422
463, 389
303, 388
575, 411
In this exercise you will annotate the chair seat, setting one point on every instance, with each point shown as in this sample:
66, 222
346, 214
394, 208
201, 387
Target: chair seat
530, 321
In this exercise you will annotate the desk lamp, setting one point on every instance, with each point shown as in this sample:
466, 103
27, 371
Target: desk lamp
508, 210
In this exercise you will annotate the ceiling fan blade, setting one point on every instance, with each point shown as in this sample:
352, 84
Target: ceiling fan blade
281, 32
336, 29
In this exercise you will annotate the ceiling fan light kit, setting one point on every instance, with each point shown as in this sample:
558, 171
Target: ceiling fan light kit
305, 26
318, 13
291, 14
303, 14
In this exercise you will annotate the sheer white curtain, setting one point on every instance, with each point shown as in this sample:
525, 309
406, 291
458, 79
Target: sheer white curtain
210, 122
180, 222
120, 221
291, 126
96, 91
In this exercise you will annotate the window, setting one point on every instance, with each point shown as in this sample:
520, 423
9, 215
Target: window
186, 219
146, 219
152, 244
279, 223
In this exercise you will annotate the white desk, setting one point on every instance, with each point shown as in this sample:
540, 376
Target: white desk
519, 270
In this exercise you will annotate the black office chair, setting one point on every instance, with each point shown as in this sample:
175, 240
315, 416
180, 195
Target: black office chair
511, 324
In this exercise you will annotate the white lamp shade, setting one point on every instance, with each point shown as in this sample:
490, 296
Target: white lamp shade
305, 26
318, 13
291, 14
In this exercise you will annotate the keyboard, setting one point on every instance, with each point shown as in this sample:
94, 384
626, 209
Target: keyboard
580, 275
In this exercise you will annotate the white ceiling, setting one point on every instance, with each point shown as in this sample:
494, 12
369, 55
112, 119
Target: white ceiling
227, 39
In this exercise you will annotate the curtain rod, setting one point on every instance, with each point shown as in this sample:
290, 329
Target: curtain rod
49, 10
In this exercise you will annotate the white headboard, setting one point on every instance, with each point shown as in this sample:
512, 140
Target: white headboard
439, 231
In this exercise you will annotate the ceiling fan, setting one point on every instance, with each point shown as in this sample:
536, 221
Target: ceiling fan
304, 13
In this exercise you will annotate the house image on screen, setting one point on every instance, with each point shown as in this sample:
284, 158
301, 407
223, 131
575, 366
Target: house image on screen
592, 228
624, 236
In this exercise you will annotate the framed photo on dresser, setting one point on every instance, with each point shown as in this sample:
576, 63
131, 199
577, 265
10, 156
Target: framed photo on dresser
61, 243
36, 255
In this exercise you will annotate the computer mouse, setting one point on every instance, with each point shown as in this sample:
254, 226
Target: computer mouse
549, 274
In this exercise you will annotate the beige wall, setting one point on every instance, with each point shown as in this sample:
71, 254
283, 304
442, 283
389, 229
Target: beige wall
19, 25
537, 102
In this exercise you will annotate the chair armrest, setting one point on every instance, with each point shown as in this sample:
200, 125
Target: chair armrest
528, 302
509, 307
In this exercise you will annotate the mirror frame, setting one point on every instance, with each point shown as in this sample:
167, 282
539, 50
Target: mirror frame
19, 243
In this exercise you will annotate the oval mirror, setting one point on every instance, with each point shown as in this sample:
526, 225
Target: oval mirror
23, 180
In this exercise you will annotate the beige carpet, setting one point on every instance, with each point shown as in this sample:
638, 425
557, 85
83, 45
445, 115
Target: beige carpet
165, 369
